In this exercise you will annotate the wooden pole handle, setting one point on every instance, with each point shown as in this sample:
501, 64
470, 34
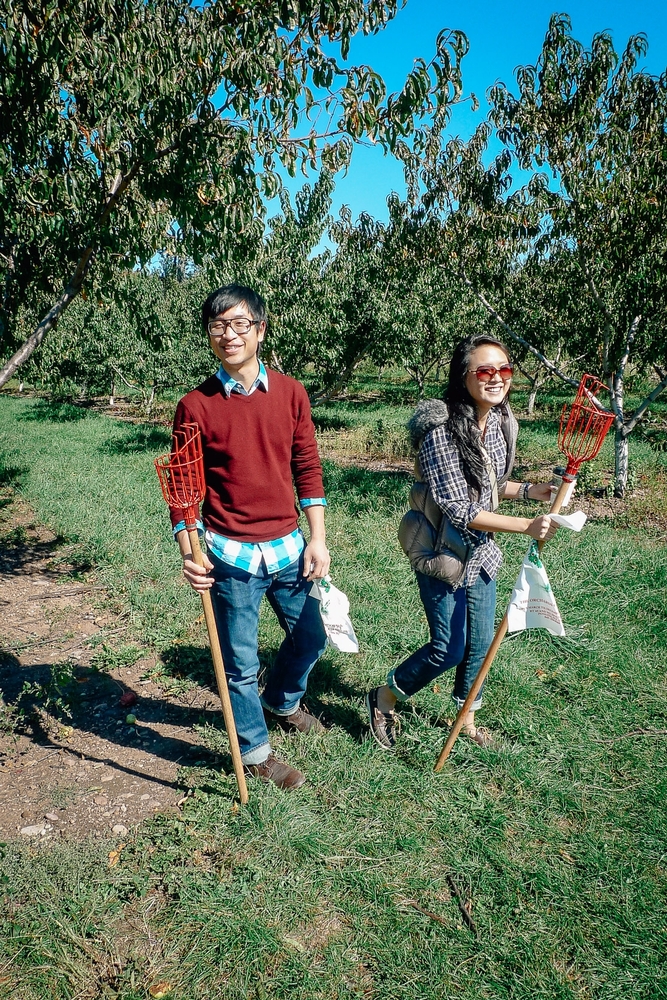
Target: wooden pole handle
489, 658
220, 675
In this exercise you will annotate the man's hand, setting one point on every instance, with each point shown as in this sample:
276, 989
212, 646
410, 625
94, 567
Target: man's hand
197, 576
316, 560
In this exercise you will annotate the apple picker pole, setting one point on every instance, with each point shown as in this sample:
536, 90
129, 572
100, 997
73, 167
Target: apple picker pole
580, 436
181, 475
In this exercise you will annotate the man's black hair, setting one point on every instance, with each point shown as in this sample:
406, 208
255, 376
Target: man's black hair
229, 296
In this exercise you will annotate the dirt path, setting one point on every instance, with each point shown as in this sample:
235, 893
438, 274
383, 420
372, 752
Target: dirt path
91, 774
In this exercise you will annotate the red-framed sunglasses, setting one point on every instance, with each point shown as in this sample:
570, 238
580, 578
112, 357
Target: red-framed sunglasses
485, 373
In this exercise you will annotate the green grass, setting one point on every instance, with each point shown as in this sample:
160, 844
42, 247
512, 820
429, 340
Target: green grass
557, 835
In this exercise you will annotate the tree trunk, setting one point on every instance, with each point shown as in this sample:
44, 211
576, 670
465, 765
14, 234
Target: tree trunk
49, 321
151, 400
112, 393
531, 400
621, 460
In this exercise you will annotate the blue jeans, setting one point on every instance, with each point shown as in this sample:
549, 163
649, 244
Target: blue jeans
461, 626
236, 598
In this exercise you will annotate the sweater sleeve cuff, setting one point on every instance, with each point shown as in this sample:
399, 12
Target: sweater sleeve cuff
312, 502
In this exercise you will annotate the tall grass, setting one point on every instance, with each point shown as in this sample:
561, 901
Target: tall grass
557, 835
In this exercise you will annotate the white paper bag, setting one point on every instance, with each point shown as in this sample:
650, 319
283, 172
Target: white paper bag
532, 604
334, 609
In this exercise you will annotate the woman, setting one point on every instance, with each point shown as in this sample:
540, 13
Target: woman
466, 450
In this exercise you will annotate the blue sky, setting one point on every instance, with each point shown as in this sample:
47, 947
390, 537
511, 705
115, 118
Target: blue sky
502, 36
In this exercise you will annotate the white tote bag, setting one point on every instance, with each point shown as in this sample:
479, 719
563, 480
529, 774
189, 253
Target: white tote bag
335, 612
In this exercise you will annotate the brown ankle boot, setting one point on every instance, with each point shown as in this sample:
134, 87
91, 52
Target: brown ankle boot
301, 720
277, 771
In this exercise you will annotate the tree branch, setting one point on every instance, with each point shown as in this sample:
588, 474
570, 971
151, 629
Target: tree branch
549, 365
643, 406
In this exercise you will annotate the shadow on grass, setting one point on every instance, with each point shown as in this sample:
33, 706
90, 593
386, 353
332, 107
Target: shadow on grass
324, 679
88, 700
50, 410
137, 440
187, 664
10, 474
542, 425
21, 548
329, 422
184, 665
360, 489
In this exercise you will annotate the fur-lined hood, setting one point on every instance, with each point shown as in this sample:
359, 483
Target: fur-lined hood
430, 413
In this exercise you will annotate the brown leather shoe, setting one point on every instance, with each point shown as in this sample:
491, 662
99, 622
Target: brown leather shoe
277, 771
383, 725
480, 735
301, 720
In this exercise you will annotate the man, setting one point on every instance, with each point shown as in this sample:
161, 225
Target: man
258, 443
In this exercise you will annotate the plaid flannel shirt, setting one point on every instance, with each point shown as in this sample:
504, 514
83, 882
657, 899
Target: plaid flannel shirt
442, 471
249, 556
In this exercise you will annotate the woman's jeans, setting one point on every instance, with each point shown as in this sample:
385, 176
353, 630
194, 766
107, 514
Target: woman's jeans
461, 625
236, 598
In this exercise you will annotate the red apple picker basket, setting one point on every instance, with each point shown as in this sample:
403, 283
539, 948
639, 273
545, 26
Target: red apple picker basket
181, 475
580, 436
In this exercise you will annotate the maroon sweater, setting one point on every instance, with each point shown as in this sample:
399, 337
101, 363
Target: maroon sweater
253, 447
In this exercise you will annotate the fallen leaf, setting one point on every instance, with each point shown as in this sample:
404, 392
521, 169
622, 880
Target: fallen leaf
541, 674
235, 808
613, 674
159, 990
114, 856
295, 943
436, 689
568, 857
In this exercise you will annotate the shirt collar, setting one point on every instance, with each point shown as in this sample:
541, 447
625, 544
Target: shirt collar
229, 383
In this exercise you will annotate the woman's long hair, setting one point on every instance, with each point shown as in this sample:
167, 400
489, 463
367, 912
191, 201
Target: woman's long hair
462, 412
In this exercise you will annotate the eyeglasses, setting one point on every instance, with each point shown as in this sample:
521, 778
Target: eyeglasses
485, 373
218, 327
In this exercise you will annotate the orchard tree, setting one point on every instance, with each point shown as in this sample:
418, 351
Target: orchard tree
286, 265
145, 336
131, 124
600, 126
591, 129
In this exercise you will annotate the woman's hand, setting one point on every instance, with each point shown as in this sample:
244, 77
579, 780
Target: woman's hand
541, 528
197, 576
540, 491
